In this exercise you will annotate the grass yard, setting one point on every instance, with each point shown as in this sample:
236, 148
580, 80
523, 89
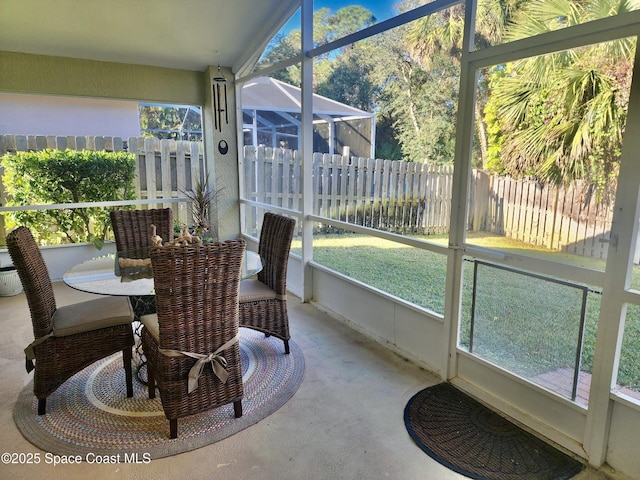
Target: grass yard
525, 324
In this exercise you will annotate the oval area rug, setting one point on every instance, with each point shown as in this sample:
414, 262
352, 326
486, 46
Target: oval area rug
90, 412
469, 438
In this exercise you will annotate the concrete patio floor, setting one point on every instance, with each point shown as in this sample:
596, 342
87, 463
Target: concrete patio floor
344, 422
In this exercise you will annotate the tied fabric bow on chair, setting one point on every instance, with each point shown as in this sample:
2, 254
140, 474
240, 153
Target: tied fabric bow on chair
218, 363
207, 277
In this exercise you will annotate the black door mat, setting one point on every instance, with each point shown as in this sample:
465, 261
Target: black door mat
473, 440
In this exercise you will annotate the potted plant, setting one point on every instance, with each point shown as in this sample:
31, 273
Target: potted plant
9, 281
202, 197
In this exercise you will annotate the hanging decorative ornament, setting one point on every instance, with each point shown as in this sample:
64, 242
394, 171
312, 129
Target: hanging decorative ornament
219, 99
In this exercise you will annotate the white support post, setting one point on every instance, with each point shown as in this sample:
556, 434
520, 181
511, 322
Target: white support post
307, 148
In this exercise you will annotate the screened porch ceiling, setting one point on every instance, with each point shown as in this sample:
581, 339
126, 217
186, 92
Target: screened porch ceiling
185, 35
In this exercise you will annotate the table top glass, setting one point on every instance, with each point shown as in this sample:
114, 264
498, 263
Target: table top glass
129, 274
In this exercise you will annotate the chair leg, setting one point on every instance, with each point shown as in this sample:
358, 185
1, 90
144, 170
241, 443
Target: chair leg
151, 382
237, 408
286, 347
126, 358
173, 428
42, 406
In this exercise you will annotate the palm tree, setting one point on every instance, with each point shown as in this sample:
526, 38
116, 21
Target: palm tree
561, 117
442, 33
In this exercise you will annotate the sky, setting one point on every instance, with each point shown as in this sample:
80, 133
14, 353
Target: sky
381, 9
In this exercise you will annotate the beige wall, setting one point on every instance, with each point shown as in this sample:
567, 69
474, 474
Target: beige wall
24, 73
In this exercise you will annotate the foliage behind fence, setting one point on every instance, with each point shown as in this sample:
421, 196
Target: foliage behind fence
165, 168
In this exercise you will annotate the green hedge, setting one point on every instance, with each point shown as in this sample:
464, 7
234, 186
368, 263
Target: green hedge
67, 176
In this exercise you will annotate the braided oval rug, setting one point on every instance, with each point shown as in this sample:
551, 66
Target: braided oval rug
90, 413
469, 438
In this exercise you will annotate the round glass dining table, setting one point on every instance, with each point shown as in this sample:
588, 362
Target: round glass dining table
129, 274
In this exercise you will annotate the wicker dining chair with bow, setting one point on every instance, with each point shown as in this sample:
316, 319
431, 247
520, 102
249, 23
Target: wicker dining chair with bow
263, 300
71, 337
191, 342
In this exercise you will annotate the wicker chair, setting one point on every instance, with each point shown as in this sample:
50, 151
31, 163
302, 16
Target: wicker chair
197, 316
69, 338
132, 228
263, 301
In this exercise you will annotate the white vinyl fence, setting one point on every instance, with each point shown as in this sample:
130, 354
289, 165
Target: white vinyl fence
397, 196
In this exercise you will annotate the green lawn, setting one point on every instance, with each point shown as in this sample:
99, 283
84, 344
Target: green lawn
525, 324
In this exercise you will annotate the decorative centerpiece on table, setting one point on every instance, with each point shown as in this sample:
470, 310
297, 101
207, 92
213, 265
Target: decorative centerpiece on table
185, 238
202, 198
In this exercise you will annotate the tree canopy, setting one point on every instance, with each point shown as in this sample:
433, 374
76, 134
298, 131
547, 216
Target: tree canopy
172, 122
558, 117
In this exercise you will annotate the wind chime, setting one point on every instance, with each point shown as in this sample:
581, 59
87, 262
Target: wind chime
220, 99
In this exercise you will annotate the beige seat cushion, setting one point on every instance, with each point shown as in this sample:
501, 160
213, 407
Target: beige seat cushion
92, 315
150, 322
253, 290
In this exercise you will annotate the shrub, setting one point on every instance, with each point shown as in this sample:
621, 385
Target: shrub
67, 176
